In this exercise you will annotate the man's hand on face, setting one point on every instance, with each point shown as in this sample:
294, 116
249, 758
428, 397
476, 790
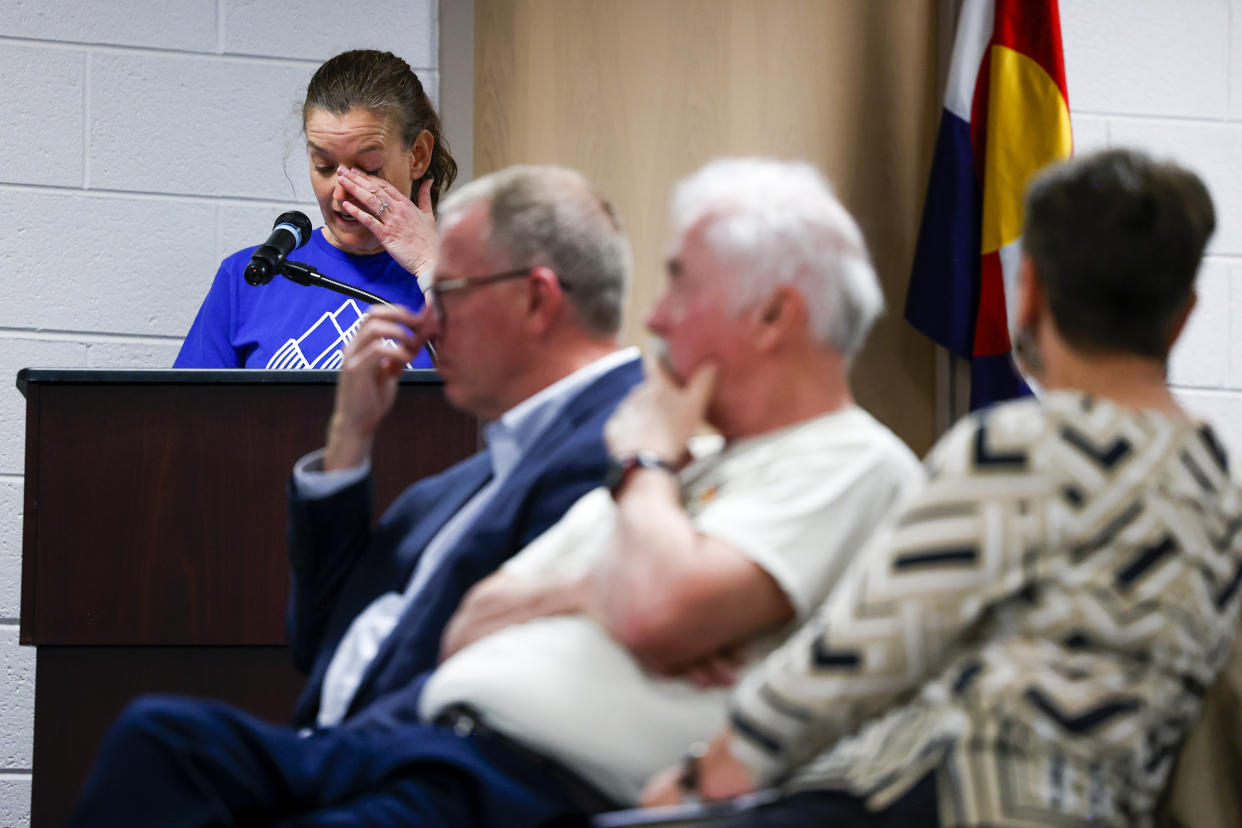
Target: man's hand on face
660, 415
370, 369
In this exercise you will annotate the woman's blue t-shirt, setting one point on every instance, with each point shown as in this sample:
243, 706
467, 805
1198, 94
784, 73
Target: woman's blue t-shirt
284, 325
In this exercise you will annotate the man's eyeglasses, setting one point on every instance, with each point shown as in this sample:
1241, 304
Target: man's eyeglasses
440, 287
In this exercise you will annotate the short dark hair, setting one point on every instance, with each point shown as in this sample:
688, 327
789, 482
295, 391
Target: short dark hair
1115, 238
383, 84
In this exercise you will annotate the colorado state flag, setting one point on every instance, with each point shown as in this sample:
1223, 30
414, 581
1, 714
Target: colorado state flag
1006, 115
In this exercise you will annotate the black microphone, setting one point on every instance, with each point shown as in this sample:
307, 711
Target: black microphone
291, 231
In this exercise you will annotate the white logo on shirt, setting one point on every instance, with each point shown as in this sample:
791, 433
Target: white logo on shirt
321, 346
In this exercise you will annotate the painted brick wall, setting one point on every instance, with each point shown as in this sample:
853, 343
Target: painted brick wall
1167, 77
144, 140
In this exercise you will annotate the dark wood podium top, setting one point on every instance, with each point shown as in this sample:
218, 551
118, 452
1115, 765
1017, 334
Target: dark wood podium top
155, 505
195, 376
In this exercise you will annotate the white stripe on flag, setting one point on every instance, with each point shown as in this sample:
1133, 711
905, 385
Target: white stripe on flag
1010, 259
974, 32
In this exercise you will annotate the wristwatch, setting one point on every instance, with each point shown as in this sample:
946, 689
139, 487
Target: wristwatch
619, 470
690, 776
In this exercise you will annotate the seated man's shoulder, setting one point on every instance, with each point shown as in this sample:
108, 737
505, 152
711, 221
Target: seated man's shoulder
998, 438
849, 439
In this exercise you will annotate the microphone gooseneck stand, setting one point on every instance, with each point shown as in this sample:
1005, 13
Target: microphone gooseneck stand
304, 274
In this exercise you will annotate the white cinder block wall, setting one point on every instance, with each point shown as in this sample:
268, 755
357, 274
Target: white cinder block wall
146, 139
143, 141
1167, 77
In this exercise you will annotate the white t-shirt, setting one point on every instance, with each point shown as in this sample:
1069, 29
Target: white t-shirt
799, 502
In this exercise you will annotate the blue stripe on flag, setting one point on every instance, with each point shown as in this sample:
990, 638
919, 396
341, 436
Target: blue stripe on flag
943, 296
994, 379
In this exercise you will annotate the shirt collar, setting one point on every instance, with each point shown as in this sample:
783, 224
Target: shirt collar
518, 428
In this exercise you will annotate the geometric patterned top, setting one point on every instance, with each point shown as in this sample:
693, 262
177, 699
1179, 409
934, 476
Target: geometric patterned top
1037, 627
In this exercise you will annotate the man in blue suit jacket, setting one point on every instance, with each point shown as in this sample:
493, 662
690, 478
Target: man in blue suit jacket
524, 308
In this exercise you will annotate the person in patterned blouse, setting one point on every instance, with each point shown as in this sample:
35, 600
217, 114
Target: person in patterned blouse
1029, 642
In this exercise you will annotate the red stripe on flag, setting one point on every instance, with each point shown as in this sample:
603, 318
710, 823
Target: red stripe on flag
992, 320
1033, 29
979, 114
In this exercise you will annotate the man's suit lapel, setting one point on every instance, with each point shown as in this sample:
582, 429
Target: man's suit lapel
417, 634
605, 391
486, 544
392, 572
448, 500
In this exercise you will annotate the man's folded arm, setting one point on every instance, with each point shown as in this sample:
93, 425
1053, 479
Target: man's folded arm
513, 596
672, 595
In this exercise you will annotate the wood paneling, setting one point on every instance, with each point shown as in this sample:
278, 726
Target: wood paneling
81, 691
156, 513
637, 93
155, 516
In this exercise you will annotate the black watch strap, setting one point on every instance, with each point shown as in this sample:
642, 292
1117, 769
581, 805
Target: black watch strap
691, 774
619, 471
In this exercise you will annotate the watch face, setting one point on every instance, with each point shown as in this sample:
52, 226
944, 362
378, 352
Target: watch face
619, 470
649, 459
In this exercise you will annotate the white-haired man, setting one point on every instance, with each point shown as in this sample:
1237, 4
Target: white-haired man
597, 644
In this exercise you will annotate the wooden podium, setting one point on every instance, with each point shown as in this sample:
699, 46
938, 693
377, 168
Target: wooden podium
153, 553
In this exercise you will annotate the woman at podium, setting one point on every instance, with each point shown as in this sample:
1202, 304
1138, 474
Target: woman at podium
378, 165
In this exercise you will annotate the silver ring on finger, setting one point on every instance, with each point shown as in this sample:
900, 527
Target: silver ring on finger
382, 207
